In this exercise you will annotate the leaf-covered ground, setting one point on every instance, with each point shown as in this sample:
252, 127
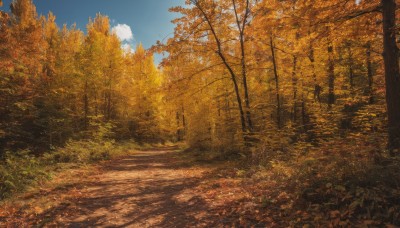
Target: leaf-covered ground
166, 188
154, 188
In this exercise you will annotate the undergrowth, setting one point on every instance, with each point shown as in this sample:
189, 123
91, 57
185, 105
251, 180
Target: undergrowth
346, 182
21, 169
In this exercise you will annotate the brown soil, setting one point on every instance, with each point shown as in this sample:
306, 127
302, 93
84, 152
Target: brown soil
149, 189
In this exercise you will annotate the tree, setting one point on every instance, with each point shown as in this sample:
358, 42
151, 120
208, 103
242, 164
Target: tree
213, 31
392, 74
145, 82
241, 22
22, 58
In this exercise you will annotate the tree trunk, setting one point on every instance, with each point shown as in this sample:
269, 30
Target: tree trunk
228, 67
228, 105
392, 76
278, 97
350, 64
304, 116
246, 90
241, 28
294, 88
370, 75
238, 99
331, 76
86, 105
178, 131
183, 122
317, 87
109, 103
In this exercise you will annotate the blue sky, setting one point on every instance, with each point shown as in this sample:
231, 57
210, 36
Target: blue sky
149, 20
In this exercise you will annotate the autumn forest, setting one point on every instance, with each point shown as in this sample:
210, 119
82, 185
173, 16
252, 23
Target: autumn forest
262, 113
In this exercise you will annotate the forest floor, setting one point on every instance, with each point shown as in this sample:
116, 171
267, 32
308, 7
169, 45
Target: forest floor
168, 187
155, 188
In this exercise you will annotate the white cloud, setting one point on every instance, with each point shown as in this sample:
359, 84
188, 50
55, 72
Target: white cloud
127, 48
123, 31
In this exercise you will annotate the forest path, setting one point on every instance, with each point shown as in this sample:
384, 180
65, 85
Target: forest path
148, 189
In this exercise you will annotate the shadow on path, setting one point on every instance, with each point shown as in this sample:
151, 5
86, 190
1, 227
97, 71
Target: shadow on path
149, 189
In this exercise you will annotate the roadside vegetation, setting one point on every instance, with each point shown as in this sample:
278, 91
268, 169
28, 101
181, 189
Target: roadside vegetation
21, 170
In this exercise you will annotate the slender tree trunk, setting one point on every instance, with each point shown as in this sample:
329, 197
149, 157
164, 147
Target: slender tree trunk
241, 28
317, 87
350, 64
86, 105
331, 76
105, 95
370, 75
278, 97
109, 103
96, 103
219, 107
238, 99
228, 105
178, 131
246, 90
183, 122
392, 75
294, 80
228, 67
294, 88
304, 118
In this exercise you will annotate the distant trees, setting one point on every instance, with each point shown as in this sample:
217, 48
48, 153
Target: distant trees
56, 82
144, 98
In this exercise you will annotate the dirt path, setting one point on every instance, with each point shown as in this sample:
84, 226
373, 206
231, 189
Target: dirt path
148, 189
156, 188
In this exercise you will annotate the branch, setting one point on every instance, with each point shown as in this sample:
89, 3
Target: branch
355, 14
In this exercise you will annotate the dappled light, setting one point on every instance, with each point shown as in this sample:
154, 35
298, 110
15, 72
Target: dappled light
250, 113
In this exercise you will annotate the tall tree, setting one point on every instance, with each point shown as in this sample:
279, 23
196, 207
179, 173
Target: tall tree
277, 85
392, 74
241, 22
208, 16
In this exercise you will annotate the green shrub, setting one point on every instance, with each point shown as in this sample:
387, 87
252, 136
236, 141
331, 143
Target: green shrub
18, 170
83, 151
